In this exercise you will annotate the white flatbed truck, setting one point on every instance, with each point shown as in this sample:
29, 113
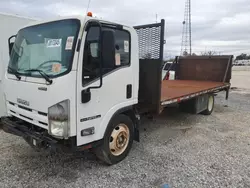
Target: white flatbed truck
80, 83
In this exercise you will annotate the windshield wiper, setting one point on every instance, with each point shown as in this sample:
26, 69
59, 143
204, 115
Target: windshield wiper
15, 72
43, 74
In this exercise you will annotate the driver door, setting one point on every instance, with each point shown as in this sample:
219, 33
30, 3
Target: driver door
116, 90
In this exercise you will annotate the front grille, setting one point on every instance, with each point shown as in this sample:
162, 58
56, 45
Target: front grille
26, 117
12, 103
12, 111
43, 123
25, 108
42, 113
27, 114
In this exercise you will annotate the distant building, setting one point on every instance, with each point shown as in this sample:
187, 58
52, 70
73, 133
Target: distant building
241, 63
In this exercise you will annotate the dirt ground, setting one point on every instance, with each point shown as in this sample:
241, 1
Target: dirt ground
241, 79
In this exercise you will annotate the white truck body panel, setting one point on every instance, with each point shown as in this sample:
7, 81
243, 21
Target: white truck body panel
9, 25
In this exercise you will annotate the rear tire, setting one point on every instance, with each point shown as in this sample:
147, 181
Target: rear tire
210, 106
117, 141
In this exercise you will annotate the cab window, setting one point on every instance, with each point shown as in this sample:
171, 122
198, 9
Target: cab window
91, 59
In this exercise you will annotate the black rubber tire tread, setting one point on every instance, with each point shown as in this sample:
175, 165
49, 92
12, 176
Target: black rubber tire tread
103, 152
207, 112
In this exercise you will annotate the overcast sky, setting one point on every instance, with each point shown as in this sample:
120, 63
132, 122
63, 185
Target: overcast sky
221, 26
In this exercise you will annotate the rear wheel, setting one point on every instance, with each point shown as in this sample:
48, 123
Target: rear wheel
118, 140
210, 105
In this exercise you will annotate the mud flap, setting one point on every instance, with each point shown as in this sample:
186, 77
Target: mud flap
227, 93
137, 134
137, 126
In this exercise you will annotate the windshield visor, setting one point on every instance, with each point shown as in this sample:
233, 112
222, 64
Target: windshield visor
48, 47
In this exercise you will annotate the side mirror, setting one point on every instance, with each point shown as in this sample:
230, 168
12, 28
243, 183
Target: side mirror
11, 44
108, 49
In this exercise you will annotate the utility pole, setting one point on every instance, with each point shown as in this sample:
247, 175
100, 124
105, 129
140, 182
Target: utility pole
186, 44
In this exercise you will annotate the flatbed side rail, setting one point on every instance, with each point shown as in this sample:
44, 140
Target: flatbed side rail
193, 95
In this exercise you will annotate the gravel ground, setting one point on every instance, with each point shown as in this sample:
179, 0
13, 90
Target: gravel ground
178, 149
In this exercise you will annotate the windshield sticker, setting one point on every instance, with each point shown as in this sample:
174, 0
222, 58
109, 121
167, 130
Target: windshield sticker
69, 43
117, 59
56, 67
126, 46
52, 43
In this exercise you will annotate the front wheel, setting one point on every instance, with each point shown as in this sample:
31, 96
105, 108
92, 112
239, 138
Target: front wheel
118, 140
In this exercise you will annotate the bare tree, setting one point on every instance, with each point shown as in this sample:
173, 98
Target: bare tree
209, 53
185, 53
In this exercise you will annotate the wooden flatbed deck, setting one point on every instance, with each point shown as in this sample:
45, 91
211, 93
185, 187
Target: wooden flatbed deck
177, 90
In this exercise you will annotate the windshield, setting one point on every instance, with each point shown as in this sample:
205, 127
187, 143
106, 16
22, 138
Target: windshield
48, 47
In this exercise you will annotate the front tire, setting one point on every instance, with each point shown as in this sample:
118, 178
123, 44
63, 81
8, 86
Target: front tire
117, 141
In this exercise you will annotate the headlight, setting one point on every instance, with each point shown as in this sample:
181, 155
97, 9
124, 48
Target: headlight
59, 120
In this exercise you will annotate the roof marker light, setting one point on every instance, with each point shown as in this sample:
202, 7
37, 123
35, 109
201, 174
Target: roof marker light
89, 14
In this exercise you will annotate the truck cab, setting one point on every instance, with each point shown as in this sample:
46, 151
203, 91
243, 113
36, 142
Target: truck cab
68, 78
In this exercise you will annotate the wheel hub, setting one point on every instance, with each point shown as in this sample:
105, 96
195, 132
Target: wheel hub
119, 139
210, 103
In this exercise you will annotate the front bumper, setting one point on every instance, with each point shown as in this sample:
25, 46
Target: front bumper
38, 139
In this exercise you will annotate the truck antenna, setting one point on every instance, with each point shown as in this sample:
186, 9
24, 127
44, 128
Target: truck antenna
88, 6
